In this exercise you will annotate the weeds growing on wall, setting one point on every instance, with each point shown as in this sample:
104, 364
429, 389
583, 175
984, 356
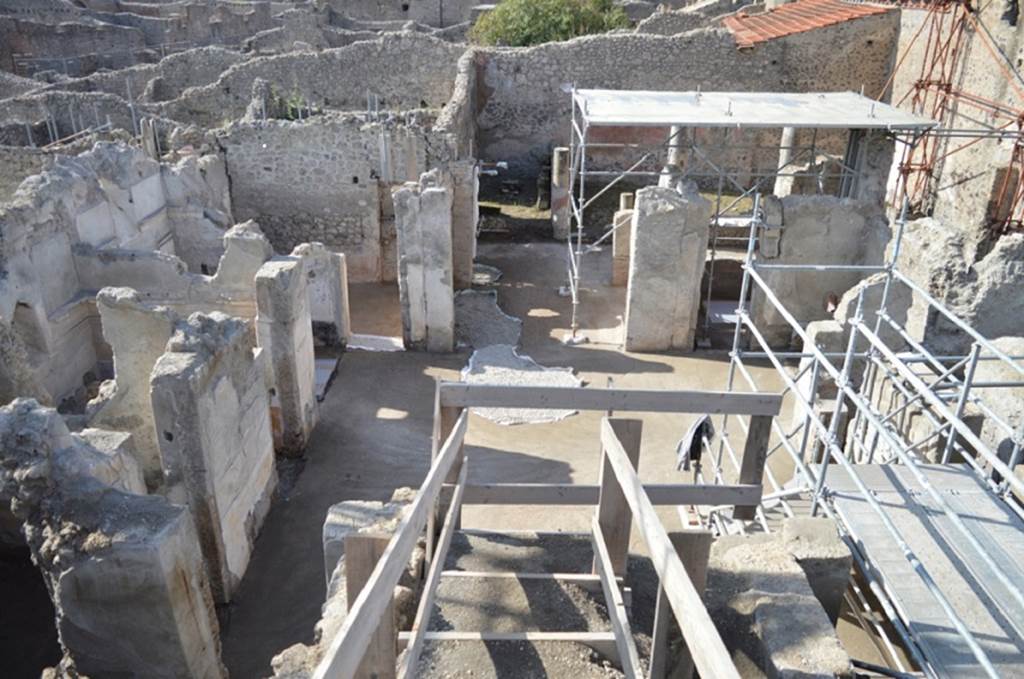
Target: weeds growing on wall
520, 23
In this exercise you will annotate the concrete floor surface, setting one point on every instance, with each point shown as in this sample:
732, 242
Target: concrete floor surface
374, 436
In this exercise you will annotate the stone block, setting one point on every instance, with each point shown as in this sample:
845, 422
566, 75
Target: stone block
212, 412
465, 213
423, 214
327, 283
767, 613
125, 571
824, 558
285, 331
668, 246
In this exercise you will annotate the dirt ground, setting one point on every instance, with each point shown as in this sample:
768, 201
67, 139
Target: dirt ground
374, 428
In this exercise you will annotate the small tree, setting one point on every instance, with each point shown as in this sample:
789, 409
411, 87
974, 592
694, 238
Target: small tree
520, 23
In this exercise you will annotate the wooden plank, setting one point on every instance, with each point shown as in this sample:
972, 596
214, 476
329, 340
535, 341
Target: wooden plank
693, 548
459, 394
755, 454
629, 658
612, 510
350, 643
444, 421
709, 653
602, 642
660, 494
426, 605
362, 552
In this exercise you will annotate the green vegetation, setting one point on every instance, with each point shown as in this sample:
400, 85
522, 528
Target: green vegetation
520, 23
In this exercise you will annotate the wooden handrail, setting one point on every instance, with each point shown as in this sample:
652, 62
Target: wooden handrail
460, 394
709, 652
350, 643
577, 494
426, 605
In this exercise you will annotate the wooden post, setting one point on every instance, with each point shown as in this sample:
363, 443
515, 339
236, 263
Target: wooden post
444, 421
755, 454
362, 551
613, 514
693, 548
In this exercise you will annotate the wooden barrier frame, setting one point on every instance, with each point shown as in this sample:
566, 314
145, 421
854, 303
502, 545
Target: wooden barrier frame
346, 650
705, 645
445, 490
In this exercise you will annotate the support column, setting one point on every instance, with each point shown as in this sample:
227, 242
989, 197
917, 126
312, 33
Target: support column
285, 330
465, 210
561, 212
622, 223
784, 185
423, 219
668, 246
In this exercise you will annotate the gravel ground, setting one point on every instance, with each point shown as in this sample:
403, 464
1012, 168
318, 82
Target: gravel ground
481, 604
506, 605
500, 364
512, 660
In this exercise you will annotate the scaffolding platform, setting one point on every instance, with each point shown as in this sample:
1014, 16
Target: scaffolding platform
991, 612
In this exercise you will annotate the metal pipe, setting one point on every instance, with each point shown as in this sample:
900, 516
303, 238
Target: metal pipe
962, 401
842, 383
820, 267
895, 445
865, 492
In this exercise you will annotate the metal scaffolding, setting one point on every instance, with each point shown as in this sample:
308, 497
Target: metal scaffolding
680, 155
877, 386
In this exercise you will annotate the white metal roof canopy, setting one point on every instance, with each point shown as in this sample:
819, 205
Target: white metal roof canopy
837, 110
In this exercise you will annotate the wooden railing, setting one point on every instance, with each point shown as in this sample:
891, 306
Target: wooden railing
367, 643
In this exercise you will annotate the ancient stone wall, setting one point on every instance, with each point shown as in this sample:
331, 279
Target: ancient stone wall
968, 178
404, 71
668, 246
162, 81
423, 218
285, 329
16, 164
321, 180
111, 198
437, 13
70, 48
983, 287
457, 120
818, 230
523, 111
124, 570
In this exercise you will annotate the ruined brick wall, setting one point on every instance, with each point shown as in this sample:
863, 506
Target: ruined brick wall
321, 180
17, 163
436, 13
161, 81
405, 71
457, 120
523, 112
65, 43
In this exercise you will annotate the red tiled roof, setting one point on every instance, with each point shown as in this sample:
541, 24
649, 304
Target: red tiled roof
795, 17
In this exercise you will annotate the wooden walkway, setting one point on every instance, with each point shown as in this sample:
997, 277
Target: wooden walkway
985, 605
